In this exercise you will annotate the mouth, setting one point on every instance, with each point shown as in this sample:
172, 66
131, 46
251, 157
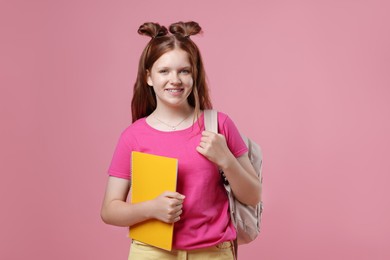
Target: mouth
175, 90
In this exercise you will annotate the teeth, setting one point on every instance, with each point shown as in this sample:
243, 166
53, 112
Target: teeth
174, 90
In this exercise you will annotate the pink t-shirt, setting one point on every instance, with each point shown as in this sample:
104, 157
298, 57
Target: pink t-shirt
205, 220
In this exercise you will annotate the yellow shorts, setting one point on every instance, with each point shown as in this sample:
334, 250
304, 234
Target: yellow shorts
141, 251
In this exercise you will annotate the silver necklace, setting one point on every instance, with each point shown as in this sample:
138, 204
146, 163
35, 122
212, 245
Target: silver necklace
173, 127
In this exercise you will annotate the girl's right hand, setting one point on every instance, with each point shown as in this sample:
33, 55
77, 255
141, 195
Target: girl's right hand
168, 207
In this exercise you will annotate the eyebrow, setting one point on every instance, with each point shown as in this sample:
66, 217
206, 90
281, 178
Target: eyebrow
185, 67
180, 68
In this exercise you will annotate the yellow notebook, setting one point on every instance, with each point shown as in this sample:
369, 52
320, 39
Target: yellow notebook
151, 175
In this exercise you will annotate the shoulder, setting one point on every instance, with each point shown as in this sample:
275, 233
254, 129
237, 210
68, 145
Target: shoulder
222, 115
224, 119
135, 127
225, 123
227, 127
133, 130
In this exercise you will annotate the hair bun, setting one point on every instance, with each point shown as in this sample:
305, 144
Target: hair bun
185, 29
152, 30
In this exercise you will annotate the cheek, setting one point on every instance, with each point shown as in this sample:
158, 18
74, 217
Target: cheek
159, 81
190, 82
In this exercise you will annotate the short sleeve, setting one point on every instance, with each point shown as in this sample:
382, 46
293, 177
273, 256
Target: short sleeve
120, 163
233, 137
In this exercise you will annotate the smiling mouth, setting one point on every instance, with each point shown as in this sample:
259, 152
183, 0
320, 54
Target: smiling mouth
175, 90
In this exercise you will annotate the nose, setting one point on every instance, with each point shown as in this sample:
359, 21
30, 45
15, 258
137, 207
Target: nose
175, 79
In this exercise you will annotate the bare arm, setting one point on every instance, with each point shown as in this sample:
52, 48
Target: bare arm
242, 177
116, 211
243, 180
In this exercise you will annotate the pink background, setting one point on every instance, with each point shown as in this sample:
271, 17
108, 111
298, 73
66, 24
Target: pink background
308, 80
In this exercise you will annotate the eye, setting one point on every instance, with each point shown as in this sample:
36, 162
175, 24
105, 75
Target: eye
163, 71
185, 71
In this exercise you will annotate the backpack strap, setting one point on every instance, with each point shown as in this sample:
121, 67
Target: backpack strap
211, 124
211, 120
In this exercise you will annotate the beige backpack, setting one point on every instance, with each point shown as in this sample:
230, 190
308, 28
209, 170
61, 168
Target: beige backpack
246, 218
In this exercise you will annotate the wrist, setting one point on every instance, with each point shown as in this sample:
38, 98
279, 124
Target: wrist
227, 163
148, 206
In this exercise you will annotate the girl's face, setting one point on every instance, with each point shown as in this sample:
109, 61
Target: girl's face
171, 78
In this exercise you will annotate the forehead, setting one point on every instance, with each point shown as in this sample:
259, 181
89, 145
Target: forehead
173, 58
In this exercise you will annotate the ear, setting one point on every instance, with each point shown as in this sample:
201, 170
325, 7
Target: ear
149, 78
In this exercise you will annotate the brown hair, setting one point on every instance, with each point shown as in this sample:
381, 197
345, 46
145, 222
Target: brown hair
144, 99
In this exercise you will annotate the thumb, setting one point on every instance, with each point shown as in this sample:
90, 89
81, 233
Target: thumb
174, 195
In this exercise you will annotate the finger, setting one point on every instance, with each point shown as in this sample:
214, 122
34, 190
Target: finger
174, 195
212, 138
207, 133
176, 204
178, 213
210, 134
203, 148
203, 144
179, 206
204, 139
180, 196
174, 216
172, 220
179, 203
200, 150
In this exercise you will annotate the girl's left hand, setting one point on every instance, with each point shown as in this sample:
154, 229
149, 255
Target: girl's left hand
213, 146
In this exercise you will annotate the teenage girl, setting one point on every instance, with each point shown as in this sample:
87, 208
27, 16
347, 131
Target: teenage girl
170, 94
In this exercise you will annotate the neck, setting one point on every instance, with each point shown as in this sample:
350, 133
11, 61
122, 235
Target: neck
173, 113
171, 119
